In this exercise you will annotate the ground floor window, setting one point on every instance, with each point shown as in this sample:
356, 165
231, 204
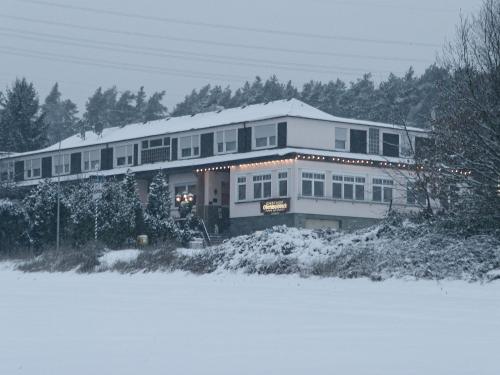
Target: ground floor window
242, 188
32, 168
262, 186
282, 184
348, 187
382, 190
415, 194
313, 184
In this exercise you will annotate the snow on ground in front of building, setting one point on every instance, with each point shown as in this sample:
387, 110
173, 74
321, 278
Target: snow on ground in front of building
176, 323
110, 258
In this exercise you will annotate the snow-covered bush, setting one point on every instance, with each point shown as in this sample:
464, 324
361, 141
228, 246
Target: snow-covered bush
41, 208
81, 202
13, 227
119, 212
159, 225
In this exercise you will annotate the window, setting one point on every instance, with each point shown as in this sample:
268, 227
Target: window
313, 184
282, 184
91, 160
7, 170
265, 136
32, 168
390, 144
340, 138
348, 187
382, 190
61, 164
373, 141
145, 144
156, 142
358, 141
405, 145
242, 188
226, 141
422, 147
124, 155
190, 146
415, 194
262, 186
184, 188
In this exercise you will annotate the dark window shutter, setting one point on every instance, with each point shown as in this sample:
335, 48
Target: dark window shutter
136, 154
47, 167
241, 140
358, 141
76, 163
248, 139
282, 134
390, 146
107, 158
174, 148
244, 139
19, 170
207, 145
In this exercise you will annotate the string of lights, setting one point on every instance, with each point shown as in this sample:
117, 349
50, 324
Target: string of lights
362, 162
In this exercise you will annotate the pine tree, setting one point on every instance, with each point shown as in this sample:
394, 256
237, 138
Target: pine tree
81, 201
101, 110
21, 125
158, 221
155, 110
126, 112
140, 105
59, 116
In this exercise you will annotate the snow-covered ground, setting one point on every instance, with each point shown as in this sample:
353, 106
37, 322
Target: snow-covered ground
176, 323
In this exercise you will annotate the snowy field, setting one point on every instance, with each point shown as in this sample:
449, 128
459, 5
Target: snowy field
176, 323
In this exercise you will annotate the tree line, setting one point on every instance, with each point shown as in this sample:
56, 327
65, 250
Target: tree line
26, 124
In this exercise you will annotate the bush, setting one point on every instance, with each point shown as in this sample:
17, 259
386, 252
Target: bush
13, 227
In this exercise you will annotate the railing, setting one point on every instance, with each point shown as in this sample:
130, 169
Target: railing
155, 155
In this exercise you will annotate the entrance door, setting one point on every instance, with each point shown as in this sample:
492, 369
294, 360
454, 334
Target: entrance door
224, 193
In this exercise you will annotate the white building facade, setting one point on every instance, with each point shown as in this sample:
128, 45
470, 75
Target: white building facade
249, 168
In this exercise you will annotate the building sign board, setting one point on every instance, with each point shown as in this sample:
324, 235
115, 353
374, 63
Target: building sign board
275, 206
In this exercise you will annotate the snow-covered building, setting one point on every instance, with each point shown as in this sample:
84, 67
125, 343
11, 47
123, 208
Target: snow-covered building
282, 162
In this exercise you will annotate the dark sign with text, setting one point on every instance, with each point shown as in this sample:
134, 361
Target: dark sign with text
275, 206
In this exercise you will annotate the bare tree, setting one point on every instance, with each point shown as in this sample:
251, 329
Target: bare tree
467, 128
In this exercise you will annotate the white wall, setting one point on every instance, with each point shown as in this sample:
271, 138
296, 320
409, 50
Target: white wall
326, 205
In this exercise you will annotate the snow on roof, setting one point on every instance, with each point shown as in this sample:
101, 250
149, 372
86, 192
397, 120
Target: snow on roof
255, 112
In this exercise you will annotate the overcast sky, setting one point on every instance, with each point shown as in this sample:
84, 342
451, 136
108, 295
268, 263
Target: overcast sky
180, 45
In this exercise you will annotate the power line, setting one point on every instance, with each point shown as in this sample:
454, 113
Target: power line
229, 27
210, 42
111, 64
88, 43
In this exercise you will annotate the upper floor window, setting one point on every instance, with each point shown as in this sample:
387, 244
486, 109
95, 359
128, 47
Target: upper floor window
282, 184
390, 144
190, 146
61, 164
32, 168
313, 184
262, 186
265, 136
91, 160
373, 141
226, 140
124, 155
6, 170
348, 187
382, 190
340, 138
